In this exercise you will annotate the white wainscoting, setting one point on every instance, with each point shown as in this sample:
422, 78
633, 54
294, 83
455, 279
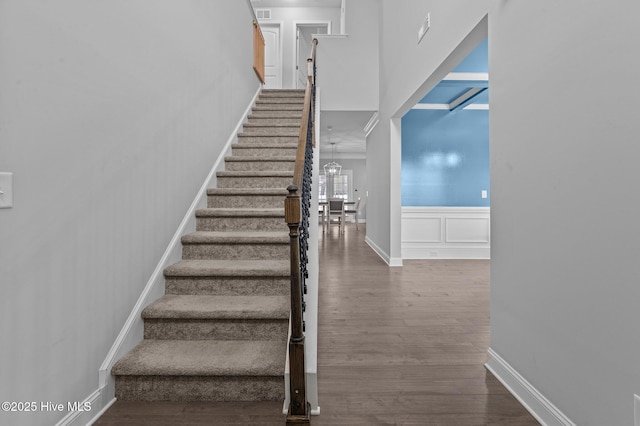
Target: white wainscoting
446, 233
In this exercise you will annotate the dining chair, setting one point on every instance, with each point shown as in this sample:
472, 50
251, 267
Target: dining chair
353, 211
336, 211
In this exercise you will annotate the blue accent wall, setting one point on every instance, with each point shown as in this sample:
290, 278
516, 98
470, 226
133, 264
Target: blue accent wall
445, 158
477, 60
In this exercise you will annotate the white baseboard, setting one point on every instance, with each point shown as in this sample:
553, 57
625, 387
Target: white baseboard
539, 406
391, 261
86, 415
132, 331
420, 251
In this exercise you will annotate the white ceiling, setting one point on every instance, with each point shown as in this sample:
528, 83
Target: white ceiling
296, 3
347, 132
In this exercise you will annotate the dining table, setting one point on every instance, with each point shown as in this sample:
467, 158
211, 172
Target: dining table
325, 214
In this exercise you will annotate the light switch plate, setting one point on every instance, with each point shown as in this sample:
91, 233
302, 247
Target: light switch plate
6, 190
484, 193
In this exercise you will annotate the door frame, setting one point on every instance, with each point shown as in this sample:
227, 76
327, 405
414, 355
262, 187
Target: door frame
296, 53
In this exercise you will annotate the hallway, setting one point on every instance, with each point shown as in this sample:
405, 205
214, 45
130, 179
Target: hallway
405, 346
397, 346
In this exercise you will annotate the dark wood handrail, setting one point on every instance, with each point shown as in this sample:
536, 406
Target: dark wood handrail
304, 121
296, 211
302, 140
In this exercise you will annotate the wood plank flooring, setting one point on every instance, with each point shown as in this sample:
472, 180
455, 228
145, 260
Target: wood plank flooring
397, 346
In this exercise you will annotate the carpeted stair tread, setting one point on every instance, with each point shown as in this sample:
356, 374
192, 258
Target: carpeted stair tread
273, 125
262, 106
204, 358
275, 158
230, 237
256, 173
284, 100
266, 144
219, 332
270, 114
228, 268
282, 92
243, 212
271, 130
273, 122
280, 136
247, 191
218, 307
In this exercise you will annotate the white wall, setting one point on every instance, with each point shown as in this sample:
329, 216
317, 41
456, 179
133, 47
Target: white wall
288, 16
565, 245
348, 66
566, 242
111, 115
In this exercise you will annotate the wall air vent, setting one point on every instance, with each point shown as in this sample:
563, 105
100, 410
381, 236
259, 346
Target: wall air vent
263, 13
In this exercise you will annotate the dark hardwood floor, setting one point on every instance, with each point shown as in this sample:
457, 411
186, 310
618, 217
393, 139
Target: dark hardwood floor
397, 346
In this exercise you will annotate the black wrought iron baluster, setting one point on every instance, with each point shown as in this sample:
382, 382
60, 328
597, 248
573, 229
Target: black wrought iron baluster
297, 216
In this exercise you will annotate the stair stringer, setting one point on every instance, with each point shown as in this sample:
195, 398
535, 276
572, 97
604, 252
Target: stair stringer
132, 332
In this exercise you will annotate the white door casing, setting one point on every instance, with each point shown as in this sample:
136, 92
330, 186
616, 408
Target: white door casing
304, 32
272, 56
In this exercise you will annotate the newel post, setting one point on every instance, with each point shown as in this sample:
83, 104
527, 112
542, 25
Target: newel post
299, 408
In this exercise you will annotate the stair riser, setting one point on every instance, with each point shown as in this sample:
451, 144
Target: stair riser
254, 182
177, 329
241, 224
274, 121
278, 91
293, 98
235, 251
228, 286
263, 106
280, 100
255, 139
259, 166
297, 97
264, 114
298, 94
290, 131
264, 152
199, 388
244, 201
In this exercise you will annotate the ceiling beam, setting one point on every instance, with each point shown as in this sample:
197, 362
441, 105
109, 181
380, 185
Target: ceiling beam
456, 76
465, 98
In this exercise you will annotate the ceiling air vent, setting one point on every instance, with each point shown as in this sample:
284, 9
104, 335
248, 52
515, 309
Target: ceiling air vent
263, 13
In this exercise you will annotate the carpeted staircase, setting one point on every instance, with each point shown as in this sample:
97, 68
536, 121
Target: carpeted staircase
220, 331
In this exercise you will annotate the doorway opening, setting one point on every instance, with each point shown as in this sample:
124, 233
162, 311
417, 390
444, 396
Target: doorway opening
440, 140
305, 31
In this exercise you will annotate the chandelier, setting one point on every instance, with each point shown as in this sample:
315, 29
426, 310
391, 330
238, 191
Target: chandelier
332, 168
